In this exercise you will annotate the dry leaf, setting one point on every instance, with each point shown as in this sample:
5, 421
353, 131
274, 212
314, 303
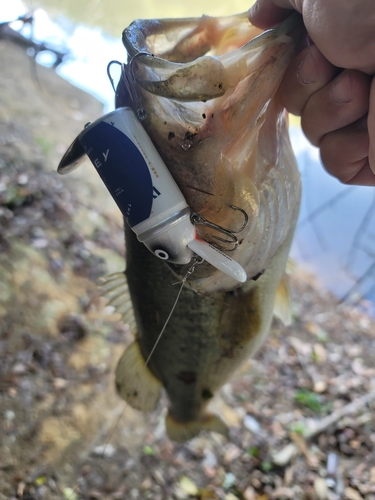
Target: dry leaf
352, 494
188, 485
320, 353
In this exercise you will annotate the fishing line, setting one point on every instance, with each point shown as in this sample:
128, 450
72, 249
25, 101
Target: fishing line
189, 272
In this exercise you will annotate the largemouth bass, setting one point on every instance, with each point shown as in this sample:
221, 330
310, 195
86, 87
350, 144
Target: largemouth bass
207, 90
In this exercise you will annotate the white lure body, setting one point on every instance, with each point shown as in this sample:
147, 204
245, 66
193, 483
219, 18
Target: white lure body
145, 191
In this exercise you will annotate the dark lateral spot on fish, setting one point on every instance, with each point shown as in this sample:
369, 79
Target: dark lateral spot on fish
165, 123
254, 278
220, 85
189, 136
204, 116
135, 394
118, 387
187, 377
171, 135
204, 100
212, 115
206, 394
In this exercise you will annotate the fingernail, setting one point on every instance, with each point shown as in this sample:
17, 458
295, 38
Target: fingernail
307, 71
341, 91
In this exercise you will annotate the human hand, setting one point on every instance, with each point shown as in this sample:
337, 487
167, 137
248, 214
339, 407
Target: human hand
337, 106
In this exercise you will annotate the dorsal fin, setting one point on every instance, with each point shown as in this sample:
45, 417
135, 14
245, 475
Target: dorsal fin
116, 291
283, 302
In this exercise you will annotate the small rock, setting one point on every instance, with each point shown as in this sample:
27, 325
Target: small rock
229, 481
12, 392
332, 464
251, 424
284, 456
230, 496
22, 179
104, 450
188, 486
146, 484
40, 243
321, 488
210, 459
59, 383
357, 366
372, 475
249, 493
320, 386
158, 477
19, 369
9, 415
232, 453
320, 353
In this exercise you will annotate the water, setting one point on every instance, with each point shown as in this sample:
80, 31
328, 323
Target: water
335, 237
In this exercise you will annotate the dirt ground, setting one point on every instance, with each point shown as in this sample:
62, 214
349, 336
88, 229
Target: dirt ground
301, 413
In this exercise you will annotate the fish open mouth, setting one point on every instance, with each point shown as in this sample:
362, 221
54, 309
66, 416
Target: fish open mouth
206, 91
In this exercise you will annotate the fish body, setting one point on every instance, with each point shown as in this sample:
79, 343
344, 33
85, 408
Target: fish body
206, 340
218, 124
207, 92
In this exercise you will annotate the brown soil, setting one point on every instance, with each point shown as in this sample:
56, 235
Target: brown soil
59, 346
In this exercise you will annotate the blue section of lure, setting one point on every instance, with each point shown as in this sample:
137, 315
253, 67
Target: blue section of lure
122, 168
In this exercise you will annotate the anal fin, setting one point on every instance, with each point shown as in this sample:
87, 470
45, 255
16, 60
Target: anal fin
134, 381
183, 431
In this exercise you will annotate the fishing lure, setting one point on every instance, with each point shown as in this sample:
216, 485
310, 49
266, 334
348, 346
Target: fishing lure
145, 191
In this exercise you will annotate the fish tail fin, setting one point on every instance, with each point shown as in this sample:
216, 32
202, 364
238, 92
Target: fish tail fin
183, 431
134, 381
283, 302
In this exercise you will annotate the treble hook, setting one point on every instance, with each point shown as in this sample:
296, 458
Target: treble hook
131, 84
233, 240
109, 72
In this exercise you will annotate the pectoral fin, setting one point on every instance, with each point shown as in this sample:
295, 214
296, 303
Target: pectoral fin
134, 381
116, 291
283, 302
183, 431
